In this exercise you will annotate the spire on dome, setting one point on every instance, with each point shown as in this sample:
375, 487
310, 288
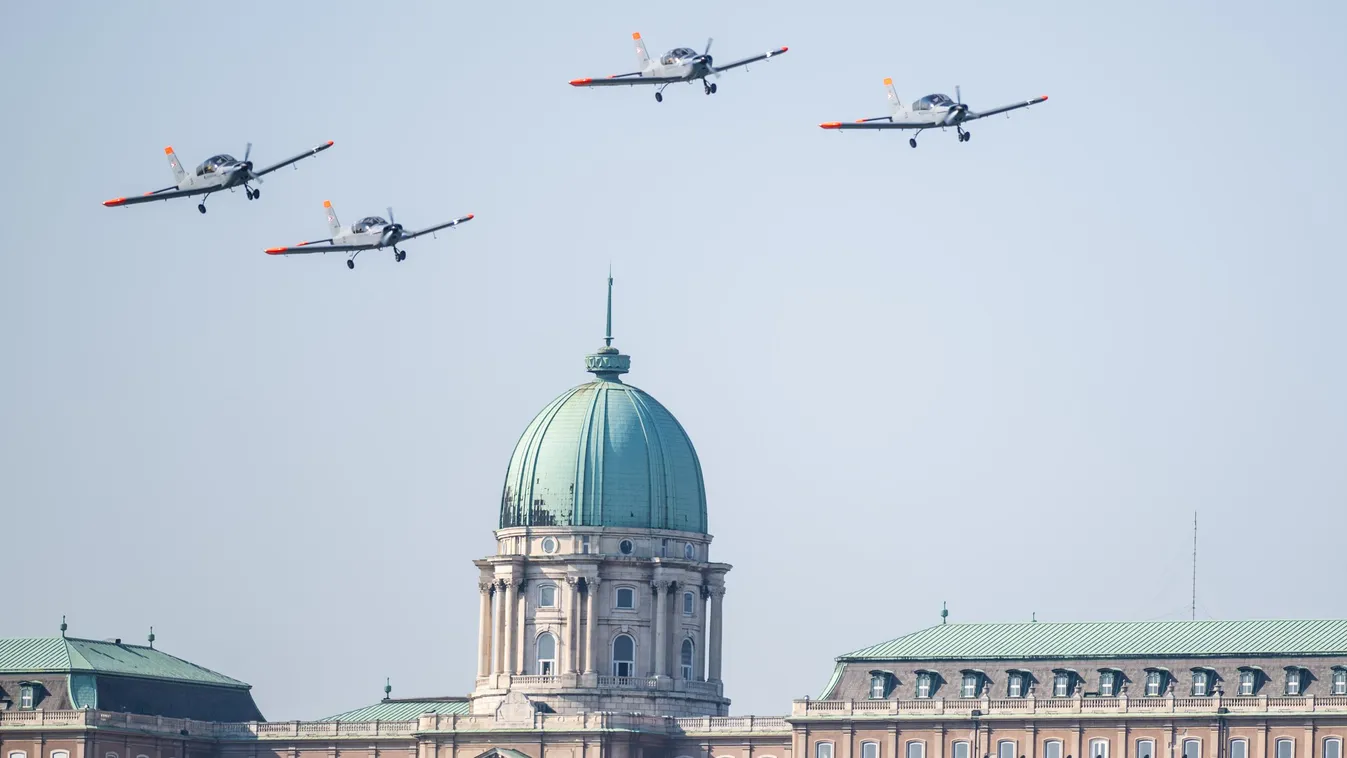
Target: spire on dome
608, 364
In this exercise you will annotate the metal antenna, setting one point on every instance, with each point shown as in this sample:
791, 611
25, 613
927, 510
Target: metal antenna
608, 337
63, 626
151, 638
1193, 608
944, 613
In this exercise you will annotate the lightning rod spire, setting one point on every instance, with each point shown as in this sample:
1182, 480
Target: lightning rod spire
608, 335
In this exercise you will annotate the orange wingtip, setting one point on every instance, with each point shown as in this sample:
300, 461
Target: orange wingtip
146, 194
831, 125
330, 143
1045, 97
327, 203
635, 35
114, 201
275, 250
888, 80
578, 82
168, 151
469, 217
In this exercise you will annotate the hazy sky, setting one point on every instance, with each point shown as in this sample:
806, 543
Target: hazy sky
1001, 374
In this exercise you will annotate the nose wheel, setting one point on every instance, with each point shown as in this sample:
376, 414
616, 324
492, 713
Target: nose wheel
399, 256
912, 142
659, 97
709, 88
253, 194
350, 263
965, 136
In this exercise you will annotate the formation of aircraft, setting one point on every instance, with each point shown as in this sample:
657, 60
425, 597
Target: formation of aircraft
369, 233
930, 112
681, 64
218, 172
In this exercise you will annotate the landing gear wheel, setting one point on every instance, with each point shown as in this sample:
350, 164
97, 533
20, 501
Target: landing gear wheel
967, 136
659, 97
912, 142
713, 88
399, 256
201, 207
350, 263
257, 193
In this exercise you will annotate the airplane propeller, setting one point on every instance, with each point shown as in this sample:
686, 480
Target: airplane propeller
392, 232
959, 110
706, 58
248, 165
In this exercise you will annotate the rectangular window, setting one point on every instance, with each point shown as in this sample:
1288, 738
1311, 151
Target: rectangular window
869, 750
1239, 749
970, 685
924, 684
823, 750
26, 696
961, 750
584, 544
916, 750
1052, 749
1293, 681
1005, 749
1199, 684
1246, 682
1192, 749
1333, 748
626, 598
1016, 688
1153, 681
689, 603
1339, 684
1106, 679
877, 687
1286, 749
1061, 684
1098, 748
1145, 749
547, 596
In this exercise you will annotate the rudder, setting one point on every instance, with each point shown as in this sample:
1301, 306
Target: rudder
333, 225
894, 103
642, 57
178, 173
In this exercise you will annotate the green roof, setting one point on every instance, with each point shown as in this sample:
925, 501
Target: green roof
1112, 639
44, 655
404, 710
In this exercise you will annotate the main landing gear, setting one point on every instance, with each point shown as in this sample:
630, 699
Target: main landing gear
964, 136
710, 89
201, 207
912, 142
659, 93
350, 263
398, 255
253, 194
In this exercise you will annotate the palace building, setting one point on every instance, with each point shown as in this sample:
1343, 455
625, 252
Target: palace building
599, 636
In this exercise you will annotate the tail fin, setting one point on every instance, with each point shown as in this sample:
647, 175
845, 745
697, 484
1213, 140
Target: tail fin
642, 57
178, 173
894, 103
333, 225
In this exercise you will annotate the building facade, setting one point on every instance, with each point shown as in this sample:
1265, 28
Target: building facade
600, 619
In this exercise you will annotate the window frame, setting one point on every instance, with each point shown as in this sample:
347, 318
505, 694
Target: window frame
626, 547
1015, 684
967, 749
689, 551
27, 696
872, 745
820, 752
1298, 679
920, 745
616, 662
542, 588
1097, 741
687, 663
1243, 744
1201, 683
1183, 747
878, 682
1336, 742
1150, 749
1156, 677
1108, 680
1247, 677
927, 679
1061, 684
1338, 684
1001, 745
1277, 747
689, 604
1047, 748
617, 598
968, 687
545, 666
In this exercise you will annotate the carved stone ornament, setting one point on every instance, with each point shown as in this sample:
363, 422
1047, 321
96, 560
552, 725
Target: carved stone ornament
515, 709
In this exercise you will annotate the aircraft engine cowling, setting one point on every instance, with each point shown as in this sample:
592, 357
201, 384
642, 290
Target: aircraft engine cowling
392, 233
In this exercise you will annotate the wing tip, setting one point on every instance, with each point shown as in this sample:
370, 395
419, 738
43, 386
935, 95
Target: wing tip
327, 203
329, 143
168, 150
830, 125
470, 217
783, 49
276, 250
114, 201
635, 35
581, 82
888, 81
1042, 97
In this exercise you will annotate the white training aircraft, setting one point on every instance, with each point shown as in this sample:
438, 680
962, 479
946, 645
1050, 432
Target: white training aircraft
681, 64
219, 172
369, 233
930, 112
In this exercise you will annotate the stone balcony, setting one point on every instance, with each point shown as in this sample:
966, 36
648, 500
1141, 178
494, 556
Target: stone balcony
532, 683
1021, 707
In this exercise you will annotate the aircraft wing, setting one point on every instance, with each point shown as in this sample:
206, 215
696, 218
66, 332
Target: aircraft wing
299, 157
321, 246
882, 122
163, 194
436, 228
1004, 108
754, 59
624, 79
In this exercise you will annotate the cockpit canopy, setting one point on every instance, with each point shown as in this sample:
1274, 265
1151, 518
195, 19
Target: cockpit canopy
932, 101
677, 54
213, 164
367, 223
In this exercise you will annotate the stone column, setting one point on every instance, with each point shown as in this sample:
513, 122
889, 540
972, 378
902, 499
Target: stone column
498, 651
701, 634
661, 640
511, 633
717, 610
592, 627
572, 623
484, 631
521, 604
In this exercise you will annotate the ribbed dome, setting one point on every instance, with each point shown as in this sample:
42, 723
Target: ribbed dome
605, 454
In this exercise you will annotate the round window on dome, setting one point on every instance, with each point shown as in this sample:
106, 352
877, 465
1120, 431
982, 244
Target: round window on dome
549, 545
689, 551
625, 547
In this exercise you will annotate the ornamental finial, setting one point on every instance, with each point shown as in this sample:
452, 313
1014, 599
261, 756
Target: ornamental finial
608, 364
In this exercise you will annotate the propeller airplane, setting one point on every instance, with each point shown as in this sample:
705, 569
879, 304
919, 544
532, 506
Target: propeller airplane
219, 172
681, 64
930, 112
369, 233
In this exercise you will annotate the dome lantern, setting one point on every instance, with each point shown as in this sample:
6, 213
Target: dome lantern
607, 363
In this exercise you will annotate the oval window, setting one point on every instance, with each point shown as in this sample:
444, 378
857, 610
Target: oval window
549, 545
625, 546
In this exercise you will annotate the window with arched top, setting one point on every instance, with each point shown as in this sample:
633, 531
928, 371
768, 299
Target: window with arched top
60, 754
1286, 748
685, 659
916, 749
1005, 749
1145, 748
624, 655
823, 750
1333, 747
1098, 748
547, 654
962, 749
17, 754
869, 750
1052, 749
1239, 749
1192, 749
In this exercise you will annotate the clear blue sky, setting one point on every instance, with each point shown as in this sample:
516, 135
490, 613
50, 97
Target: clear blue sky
1002, 374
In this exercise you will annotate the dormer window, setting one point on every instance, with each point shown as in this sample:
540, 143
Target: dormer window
1201, 682
1015, 684
1294, 680
1156, 679
1249, 680
1108, 683
972, 683
925, 683
880, 684
1062, 682
26, 697
1340, 680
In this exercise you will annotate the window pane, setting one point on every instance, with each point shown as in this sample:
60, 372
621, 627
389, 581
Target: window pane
1333, 748
1192, 749
547, 647
916, 750
688, 603
624, 648
1016, 685
1098, 748
823, 750
1145, 749
1240, 749
1340, 682
869, 750
961, 750
547, 596
970, 685
1005, 749
1052, 750
1285, 748
626, 598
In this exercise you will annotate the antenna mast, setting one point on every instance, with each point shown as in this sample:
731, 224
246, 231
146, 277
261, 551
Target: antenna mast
608, 336
1193, 608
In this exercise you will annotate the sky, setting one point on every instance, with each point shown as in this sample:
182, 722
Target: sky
1002, 374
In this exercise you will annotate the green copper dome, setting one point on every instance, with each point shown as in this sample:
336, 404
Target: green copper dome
605, 454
